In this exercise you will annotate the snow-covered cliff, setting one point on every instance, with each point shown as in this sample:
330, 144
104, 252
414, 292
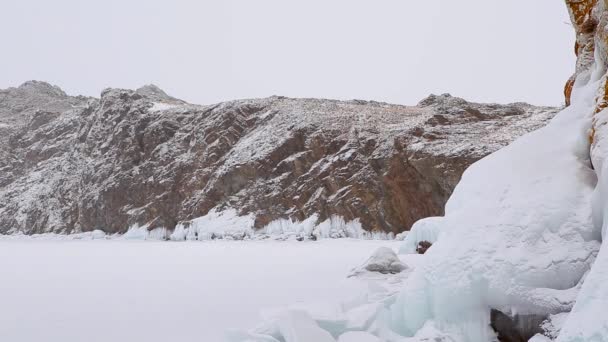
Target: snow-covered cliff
144, 159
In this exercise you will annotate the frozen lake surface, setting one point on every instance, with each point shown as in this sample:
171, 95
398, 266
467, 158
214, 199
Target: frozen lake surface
113, 290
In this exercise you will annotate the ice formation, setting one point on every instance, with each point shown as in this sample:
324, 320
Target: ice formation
216, 224
426, 229
517, 235
229, 225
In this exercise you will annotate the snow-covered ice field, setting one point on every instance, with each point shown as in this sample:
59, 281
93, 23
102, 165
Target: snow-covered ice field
116, 290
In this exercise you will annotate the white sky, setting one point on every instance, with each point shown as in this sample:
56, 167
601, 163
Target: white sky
397, 51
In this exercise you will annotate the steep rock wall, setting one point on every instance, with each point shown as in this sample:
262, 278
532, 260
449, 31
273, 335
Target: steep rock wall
134, 158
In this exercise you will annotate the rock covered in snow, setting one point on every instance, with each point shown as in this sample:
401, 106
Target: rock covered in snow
140, 158
384, 260
425, 230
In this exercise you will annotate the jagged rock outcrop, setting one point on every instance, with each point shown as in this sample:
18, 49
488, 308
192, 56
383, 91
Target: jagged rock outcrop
72, 164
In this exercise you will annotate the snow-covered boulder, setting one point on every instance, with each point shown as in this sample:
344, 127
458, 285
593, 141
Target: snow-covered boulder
384, 260
427, 229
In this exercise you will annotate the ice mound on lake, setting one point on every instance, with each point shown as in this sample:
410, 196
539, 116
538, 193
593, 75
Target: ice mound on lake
216, 224
384, 260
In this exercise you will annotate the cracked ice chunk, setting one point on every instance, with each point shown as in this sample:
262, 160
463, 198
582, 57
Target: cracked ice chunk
298, 326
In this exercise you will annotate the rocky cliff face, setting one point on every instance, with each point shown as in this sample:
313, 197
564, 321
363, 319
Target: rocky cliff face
590, 21
72, 164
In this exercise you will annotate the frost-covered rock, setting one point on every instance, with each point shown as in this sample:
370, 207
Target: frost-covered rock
384, 260
140, 158
427, 229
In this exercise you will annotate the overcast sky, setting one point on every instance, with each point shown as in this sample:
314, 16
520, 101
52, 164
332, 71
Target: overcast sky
397, 51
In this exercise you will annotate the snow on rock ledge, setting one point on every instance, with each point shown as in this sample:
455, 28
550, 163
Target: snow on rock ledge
427, 229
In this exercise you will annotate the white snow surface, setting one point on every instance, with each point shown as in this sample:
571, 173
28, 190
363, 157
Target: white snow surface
358, 336
125, 290
160, 106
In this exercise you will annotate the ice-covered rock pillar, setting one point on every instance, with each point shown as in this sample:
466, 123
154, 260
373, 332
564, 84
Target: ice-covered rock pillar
584, 24
590, 21
587, 321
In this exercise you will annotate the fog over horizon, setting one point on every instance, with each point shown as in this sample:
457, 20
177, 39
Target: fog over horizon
211, 51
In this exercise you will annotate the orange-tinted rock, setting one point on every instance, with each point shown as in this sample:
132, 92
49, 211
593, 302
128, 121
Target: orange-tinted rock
590, 21
568, 90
